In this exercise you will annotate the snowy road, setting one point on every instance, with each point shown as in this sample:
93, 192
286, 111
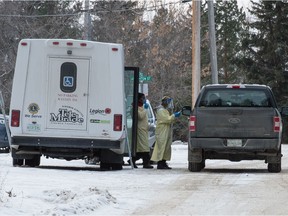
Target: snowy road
73, 188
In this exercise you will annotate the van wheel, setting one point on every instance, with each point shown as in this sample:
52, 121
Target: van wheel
18, 162
195, 167
105, 166
116, 166
274, 167
35, 161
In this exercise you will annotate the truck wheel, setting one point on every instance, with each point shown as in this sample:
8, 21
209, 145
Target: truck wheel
195, 167
274, 167
18, 162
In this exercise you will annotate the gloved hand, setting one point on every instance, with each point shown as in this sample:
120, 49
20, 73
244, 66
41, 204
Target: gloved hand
177, 114
146, 106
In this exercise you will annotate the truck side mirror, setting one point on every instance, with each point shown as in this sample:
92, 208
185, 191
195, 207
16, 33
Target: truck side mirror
284, 111
186, 110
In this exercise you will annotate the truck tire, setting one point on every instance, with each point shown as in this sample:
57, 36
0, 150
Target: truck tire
18, 162
274, 167
195, 167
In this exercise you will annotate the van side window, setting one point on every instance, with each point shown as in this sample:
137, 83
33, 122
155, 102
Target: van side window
68, 77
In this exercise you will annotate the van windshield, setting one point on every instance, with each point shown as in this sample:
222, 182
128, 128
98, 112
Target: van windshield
235, 98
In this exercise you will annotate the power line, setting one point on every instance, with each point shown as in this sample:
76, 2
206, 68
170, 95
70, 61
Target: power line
148, 8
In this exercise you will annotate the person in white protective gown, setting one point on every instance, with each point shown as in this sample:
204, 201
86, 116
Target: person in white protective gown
162, 149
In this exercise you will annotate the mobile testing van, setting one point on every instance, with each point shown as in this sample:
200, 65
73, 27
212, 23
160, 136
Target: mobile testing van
70, 100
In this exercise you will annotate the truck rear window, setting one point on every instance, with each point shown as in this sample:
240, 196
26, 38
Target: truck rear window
235, 98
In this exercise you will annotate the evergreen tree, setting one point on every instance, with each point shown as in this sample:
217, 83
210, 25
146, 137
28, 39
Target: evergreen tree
266, 46
230, 25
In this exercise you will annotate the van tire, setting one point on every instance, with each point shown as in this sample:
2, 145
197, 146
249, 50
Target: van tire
195, 167
35, 161
116, 166
18, 162
110, 166
105, 166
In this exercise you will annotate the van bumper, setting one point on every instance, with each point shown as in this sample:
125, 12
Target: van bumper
65, 142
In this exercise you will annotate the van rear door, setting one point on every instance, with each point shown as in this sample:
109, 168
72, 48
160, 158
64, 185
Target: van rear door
67, 93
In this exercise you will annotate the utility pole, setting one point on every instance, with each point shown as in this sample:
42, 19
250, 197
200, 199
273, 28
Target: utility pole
212, 44
87, 21
196, 63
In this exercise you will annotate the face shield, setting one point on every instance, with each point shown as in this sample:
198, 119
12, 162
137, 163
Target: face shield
170, 104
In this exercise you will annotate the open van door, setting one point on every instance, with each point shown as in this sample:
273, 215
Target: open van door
131, 95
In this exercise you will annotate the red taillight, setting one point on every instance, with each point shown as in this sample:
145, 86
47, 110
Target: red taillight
277, 124
192, 126
117, 122
236, 86
69, 44
114, 49
55, 43
15, 119
83, 44
24, 44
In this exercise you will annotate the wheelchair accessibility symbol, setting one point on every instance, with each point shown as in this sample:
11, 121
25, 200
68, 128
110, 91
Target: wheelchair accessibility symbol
68, 81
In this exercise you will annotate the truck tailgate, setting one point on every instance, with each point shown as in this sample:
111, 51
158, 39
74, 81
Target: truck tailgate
232, 122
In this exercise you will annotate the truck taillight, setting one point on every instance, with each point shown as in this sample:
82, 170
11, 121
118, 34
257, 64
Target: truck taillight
192, 126
15, 119
117, 122
277, 124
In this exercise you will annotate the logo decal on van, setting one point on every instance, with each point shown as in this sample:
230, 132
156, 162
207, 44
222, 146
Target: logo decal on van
99, 121
33, 108
66, 115
99, 111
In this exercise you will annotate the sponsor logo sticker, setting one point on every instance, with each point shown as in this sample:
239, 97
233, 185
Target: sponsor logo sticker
33, 108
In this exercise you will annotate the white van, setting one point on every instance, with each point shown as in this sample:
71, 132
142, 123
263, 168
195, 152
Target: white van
68, 102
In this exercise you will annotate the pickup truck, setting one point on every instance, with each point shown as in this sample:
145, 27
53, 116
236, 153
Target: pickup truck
234, 122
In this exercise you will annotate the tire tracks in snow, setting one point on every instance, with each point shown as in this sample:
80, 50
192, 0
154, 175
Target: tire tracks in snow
169, 198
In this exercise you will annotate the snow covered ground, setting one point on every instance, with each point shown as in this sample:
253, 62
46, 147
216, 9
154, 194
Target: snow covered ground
60, 187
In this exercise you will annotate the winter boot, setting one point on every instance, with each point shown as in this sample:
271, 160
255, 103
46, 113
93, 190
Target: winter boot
161, 165
166, 165
146, 161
